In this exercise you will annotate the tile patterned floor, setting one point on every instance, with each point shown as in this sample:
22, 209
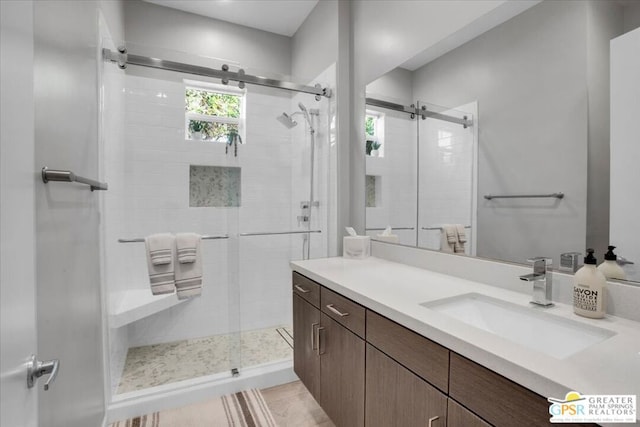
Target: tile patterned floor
293, 406
159, 364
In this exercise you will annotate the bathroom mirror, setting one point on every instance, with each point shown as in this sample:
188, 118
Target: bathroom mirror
535, 90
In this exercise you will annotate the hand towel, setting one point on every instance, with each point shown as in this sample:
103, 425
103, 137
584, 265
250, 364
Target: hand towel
160, 248
186, 245
445, 245
462, 235
461, 238
161, 276
189, 276
451, 233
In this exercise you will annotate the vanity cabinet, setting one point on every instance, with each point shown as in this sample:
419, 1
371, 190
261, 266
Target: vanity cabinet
410, 380
328, 353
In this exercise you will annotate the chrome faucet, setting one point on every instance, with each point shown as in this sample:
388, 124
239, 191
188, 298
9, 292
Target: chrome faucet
541, 278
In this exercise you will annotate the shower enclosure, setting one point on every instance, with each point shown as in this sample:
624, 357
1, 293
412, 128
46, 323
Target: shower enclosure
192, 144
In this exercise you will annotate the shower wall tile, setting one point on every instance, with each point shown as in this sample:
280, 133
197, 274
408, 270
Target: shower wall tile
214, 186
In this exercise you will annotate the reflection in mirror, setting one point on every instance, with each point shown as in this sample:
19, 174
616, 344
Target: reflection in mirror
537, 87
391, 181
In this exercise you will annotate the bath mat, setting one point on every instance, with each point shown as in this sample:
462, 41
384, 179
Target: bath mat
244, 409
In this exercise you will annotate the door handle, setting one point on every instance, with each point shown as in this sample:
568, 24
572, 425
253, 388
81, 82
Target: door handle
36, 369
431, 420
320, 352
313, 335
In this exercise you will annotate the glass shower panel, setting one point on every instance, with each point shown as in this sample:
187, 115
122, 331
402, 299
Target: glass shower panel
280, 159
446, 156
391, 175
162, 180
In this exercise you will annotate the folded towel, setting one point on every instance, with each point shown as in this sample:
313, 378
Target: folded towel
161, 276
445, 246
186, 245
451, 233
462, 236
160, 248
189, 276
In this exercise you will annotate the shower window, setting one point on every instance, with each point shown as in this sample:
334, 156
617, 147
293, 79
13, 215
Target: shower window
374, 134
212, 114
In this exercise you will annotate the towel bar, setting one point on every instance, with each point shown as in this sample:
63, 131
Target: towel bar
559, 195
393, 228
141, 240
440, 228
68, 176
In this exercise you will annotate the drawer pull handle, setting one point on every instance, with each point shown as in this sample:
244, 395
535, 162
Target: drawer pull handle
431, 420
301, 289
336, 311
313, 335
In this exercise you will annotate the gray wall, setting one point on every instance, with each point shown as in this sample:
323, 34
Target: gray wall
631, 19
67, 216
150, 25
604, 22
314, 47
394, 85
529, 78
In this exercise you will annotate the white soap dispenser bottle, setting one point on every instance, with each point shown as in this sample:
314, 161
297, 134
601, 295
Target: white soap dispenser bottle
589, 286
610, 267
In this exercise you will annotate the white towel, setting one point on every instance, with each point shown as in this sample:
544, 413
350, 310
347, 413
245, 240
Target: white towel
161, 276
160, 248
446, 243
186, 245
189, 275
461, 238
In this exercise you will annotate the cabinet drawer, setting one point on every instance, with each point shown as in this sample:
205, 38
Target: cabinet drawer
496, 399
427, 359
344, 311
306, 288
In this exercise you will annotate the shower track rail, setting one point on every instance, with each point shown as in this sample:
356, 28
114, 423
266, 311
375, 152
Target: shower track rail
122, 58
225, 236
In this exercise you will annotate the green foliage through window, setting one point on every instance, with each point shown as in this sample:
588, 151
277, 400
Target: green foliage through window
212, 103
370, 126
211, 115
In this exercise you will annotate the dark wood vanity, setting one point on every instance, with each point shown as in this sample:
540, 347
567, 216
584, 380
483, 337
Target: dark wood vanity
366, 370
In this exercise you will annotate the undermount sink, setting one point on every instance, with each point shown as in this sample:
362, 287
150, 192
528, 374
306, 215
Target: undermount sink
556, 336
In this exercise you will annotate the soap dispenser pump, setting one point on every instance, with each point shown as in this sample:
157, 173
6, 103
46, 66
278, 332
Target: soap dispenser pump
589, 286
610, 267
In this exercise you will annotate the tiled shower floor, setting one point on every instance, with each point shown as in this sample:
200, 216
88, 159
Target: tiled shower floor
154, 365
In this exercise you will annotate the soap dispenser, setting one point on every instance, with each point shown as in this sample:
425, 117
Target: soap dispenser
610, 267
589, 286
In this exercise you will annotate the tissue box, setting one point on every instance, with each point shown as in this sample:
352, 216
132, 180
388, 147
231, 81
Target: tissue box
358, 247
391, 238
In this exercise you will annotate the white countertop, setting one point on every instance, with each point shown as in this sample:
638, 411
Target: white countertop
397, 290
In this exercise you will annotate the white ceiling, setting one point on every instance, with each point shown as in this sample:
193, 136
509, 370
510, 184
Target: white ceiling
276, 16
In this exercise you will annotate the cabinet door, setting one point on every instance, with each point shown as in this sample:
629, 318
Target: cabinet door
306, 360
396, 397
342, 367
458, 416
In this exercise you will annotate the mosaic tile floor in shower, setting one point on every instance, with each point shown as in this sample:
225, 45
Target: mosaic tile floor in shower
159, 364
